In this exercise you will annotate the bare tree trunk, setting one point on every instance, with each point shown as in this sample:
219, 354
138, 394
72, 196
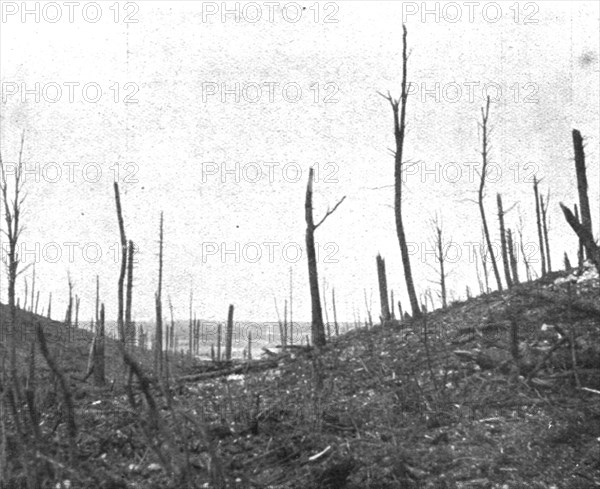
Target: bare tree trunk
582, 186
12, 215
437, 243
317, 328
158, 347
77, 302
383, 292
591, 248
37, 301
219, 342
290, 337
120, 324
327, 325
69, 313
33, 287
335, 322
191, 325
522, 249
567, 262
479, 281
50, 306
544, 209
249, 345
129, 332
399, 133
505, 260
285, 325
229, 334
369, 323
511, 256
99, 374
170, 336
580, 248
538, 216
484, 153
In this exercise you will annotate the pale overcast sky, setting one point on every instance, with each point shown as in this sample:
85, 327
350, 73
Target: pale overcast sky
308, 83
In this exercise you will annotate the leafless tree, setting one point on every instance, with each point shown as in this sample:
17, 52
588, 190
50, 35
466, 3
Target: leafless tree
335, 322
229, 333
399, 112
580, 252
383, 293
544, 209
327, 325
129, 331
369, 307
582, 186
591, 248
522, 249
485, 112
12, 216
437, 243
512, 257
503, 244
291, 332
158, 347
538, 216
120, 323
317, 328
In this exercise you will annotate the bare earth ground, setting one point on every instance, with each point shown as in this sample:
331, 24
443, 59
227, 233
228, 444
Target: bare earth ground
439, 403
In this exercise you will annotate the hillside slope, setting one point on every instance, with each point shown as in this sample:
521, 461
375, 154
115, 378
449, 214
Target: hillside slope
438, 403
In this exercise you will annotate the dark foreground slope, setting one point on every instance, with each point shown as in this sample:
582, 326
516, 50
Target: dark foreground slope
451, 401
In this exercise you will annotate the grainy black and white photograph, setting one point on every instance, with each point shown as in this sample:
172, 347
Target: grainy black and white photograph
299, 244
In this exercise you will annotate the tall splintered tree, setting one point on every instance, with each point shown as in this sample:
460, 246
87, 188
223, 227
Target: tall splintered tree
12, 215
437, 243
383, 295
544, 208
582, 186
129, 326
120, 313
158, 343
485, 112
399, 111
538, 217
317, 327
503, 244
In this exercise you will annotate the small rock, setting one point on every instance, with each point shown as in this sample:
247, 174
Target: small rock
154, 467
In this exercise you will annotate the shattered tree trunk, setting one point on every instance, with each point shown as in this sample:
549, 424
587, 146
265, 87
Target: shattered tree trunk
582, 186
158, 354
399, 133
484, 153
538, 215
120, 324
219, 332
503, 244
591, 248
191, 325
580, 247
383, 291
99, 375
12, 216
229, 334
511, 256
129, 331
335, 322
317, 330
317, 327
544, 208
439, 246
